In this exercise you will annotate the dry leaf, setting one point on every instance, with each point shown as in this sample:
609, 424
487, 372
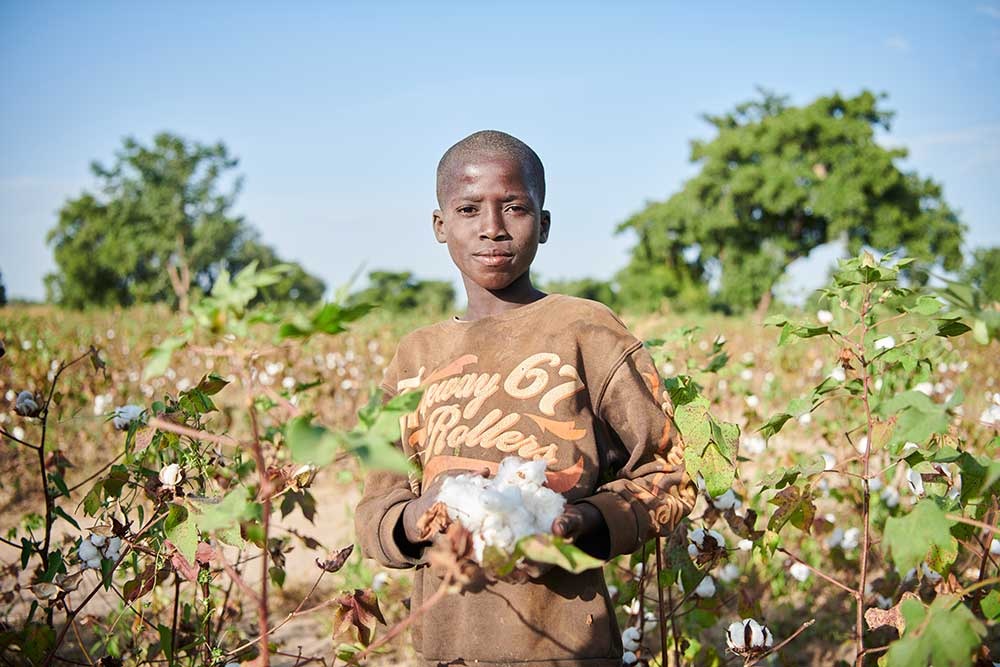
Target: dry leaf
337, 561
433, 521
359, 610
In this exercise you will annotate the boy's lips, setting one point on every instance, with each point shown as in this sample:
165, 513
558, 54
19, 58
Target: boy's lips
494, 257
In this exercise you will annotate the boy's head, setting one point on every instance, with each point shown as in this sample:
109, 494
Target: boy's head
490, 191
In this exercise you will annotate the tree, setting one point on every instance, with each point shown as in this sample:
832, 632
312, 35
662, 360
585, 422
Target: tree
984, 272
775, 182
399, 292
3, 291
587, 288
160, 221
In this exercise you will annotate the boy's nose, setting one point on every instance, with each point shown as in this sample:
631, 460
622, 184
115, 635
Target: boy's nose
492, 223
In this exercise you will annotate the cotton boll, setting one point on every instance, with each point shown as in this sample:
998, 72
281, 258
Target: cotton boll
835, 538
628, 658
890, 496
630, 639
115, 543
728, 573
862, 445
930, 574
94, 563
829, 460
706, 588
125, 415
87, 550
850, 540
995, 547
838, 374
650, 622
824, 317
886, 343
745, 545
734, 636
727, 500
799, 571
756, 634
98, 540
916, 482
379, 581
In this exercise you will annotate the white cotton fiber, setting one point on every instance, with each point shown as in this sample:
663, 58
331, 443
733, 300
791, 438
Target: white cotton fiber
501, 510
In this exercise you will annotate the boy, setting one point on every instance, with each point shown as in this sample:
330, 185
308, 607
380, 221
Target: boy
534, 375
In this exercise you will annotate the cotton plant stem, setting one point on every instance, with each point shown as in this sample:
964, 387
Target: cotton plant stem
194, 434
659, 600
866, 496
397, 629
265, 492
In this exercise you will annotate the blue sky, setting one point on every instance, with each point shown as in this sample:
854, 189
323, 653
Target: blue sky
340, 111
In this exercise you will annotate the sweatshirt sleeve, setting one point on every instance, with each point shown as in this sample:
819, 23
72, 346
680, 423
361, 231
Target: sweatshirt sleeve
651, 492
378, 517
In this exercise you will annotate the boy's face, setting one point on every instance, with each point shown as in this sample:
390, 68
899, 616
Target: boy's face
491, 220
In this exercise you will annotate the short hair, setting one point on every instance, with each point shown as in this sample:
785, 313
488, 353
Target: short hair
493, 142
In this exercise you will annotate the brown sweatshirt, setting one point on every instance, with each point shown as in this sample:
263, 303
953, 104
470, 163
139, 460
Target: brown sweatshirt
562, 379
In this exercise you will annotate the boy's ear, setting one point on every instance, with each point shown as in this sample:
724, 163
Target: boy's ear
437, 220
543, 234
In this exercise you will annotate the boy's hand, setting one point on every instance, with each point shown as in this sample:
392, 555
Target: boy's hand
417, 507
582, 524
577, 521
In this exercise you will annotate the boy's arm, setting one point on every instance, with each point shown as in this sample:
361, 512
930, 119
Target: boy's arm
651, 492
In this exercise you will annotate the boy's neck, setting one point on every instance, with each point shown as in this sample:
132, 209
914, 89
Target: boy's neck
484, 303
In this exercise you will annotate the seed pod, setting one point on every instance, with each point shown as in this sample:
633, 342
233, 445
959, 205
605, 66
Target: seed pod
26, 405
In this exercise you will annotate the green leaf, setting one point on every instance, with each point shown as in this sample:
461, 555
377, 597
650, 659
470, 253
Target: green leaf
166, 641
918, 419
211, 384
159, 357
946, 634
773, 425
312, 444
991, 605
181, 529
38, 641
60, 512
228, 512
925, 305
952, 327
558, 552
92, 501
922, 534
795, 505
709, 448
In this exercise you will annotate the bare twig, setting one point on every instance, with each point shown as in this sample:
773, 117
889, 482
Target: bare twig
194, 434
820, 573
397, 629
802, 628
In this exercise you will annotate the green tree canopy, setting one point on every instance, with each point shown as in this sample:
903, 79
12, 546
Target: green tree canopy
158, 210
399, 292
984, 272
587, 288
775, 182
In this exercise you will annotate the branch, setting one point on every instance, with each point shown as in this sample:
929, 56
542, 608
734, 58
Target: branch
194, 434
802, 628
820, 574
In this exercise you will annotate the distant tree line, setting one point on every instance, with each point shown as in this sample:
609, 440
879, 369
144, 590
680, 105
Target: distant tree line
773, 183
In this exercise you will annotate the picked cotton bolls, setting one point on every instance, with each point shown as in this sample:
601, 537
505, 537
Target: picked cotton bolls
170, 475
630, 639
886, 343
824, 317
26, 405
799, 571
125, 415
502, 510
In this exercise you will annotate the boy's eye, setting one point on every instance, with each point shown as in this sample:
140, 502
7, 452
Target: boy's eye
466, 210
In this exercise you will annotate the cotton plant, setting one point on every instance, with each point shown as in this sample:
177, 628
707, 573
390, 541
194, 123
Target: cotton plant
501, 510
